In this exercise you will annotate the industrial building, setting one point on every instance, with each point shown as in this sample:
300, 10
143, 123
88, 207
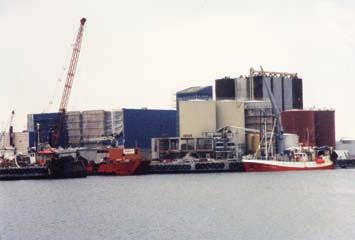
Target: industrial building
22, 141
346, 144
136, 127
192, 93
128, 127
286, 87
44, 125
200, 118
231, 113
314, 127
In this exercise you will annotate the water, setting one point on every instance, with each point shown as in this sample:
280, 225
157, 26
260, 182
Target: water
285, 205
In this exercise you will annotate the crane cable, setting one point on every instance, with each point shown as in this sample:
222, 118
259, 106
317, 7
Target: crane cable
62, 76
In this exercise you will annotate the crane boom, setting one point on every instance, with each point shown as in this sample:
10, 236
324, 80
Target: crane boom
57, 133
72, 67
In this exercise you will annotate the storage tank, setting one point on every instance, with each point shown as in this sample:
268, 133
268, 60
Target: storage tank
290, 140
258, 89
242, 88
253, 141
192, 93
287, 91
225, 89
231, 113
325, 128
297, 93
197, 117
287, 102
277, 89
249, 142
302, 123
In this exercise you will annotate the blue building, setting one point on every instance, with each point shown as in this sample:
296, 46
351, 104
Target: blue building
136, 127
44, 125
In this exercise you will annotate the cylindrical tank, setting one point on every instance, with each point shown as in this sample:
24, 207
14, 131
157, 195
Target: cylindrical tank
225, 89
253, 141
256, 142
290, 140
197, 117
297, 93
302, 123
242, 89
325, 128
249, 142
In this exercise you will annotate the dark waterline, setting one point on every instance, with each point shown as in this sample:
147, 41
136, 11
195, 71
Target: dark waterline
284, 205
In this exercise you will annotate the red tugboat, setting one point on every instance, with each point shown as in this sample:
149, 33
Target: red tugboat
120, 161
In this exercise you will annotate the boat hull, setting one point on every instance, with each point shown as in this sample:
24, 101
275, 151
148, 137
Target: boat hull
274, 166
121, 162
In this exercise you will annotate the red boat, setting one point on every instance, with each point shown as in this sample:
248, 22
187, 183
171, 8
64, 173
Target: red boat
271, 165
119, 162
299, 161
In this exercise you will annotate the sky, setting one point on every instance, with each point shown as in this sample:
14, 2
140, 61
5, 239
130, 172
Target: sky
140, 53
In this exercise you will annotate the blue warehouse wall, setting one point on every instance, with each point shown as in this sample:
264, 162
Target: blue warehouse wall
48, 122
140, 125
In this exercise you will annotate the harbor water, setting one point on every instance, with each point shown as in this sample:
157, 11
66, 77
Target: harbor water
279, 205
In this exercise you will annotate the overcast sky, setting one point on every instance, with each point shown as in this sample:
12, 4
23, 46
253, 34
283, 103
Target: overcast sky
139, 53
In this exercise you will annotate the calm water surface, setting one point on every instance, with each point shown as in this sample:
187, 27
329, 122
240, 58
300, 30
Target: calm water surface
285, 205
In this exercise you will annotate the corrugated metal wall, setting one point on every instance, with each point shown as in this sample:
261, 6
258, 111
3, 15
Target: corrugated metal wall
255, 114
314, 127
325, 128
140, 125
30, 122
302, 123
49, 122
297, 93
197, 117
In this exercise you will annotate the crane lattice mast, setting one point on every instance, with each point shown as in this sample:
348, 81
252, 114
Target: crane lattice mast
72, 67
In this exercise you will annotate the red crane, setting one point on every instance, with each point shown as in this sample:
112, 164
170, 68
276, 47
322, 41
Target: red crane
72, 67
56, 134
